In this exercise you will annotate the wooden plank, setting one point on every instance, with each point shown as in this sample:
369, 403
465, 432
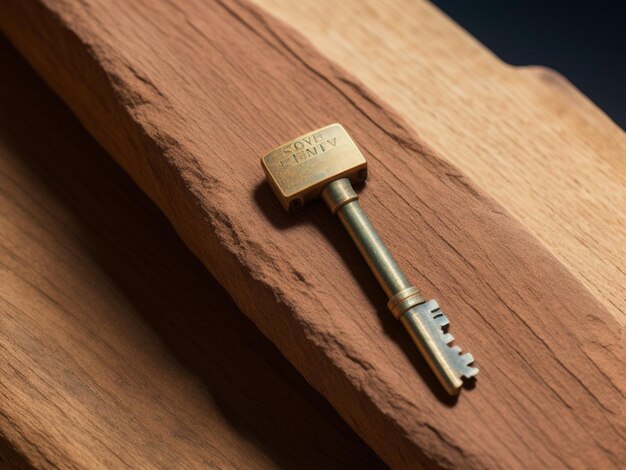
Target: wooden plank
119, 349
523, 134
188, 95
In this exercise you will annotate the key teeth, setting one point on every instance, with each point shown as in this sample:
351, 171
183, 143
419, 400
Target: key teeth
463, 367
463, 361
448, 338
467, 359
466, 370
441, 320
470, 372
436, 314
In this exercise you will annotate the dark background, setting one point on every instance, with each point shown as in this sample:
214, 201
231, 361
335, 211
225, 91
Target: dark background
585, 42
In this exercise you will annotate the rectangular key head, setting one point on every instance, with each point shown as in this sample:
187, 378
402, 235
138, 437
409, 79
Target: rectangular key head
299, 170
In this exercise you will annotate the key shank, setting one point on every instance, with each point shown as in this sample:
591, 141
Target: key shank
405, 301
343, 201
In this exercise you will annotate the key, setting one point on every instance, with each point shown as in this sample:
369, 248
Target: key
325, 163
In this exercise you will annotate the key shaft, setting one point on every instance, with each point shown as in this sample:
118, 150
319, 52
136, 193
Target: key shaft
405, 300
343, 201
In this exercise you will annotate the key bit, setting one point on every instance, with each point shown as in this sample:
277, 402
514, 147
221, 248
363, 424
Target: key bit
324, 163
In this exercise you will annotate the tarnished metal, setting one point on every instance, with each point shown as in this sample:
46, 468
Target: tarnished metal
404, 300
298, 170
425, 323
298, 173
369, 243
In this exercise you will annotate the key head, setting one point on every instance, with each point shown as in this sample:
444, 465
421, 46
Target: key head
299, 170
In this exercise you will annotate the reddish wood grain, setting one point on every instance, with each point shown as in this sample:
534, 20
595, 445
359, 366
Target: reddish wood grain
118, 348
525, 135
188, 95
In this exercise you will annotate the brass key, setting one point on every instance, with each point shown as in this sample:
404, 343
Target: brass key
325, 163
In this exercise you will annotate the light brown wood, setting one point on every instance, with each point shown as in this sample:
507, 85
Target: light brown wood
188, 95
118, 349
524, 135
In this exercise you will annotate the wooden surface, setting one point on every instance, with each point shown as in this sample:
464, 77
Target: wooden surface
118, 348
187, 96
524, 135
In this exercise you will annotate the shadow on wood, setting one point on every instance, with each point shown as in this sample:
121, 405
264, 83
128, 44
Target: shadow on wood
142, 356
187, 95
317, 216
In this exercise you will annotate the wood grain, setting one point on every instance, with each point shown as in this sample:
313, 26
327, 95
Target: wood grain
523, 134
119, 349
188, 95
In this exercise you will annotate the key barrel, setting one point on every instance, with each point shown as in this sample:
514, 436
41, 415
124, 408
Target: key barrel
343, 201
421, 319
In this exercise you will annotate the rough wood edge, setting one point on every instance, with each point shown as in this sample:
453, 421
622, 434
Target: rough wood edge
392, 438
